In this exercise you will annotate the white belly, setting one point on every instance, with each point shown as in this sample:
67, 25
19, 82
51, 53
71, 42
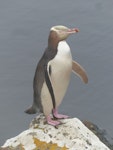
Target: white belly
61, 67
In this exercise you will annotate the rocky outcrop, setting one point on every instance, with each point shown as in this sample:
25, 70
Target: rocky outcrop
100, 133
72, 134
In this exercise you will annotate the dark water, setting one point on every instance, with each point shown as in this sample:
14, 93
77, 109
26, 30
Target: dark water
24, 28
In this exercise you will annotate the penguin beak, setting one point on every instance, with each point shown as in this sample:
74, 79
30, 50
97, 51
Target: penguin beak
73, 30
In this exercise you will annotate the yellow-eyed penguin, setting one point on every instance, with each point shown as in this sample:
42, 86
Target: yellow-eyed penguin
53, 73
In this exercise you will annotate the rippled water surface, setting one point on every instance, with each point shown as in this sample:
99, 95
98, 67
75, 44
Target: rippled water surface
24, 28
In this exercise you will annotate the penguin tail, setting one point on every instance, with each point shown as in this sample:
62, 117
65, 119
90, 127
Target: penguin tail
31, 110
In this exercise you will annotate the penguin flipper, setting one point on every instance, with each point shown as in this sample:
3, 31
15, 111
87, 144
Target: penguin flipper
48, 73
79, 71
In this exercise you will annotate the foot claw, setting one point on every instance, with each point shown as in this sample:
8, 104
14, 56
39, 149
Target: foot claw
52, 122
59, 116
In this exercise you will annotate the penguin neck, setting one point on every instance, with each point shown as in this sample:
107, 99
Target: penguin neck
53, 40
64, 49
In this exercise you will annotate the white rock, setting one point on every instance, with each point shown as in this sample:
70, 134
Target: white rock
72, 134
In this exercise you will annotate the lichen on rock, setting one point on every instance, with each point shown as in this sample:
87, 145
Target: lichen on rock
72, 134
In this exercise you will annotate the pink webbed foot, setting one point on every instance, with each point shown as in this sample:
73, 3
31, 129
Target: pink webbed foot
52, 122
59, 116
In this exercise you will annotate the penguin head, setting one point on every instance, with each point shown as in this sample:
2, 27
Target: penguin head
62, 32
